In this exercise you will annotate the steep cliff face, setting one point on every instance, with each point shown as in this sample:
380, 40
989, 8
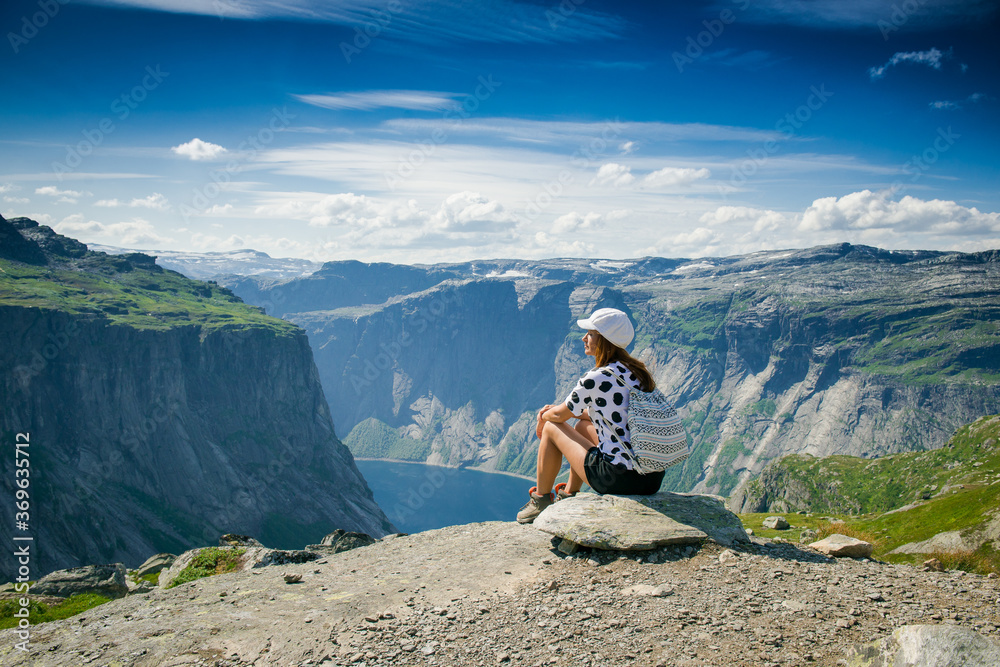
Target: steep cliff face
840, 349
159, 430
448, 371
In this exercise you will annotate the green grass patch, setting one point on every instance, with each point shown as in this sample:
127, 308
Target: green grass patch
142, 298
39, 612
374, 439
151, 578
955, 488
209, 562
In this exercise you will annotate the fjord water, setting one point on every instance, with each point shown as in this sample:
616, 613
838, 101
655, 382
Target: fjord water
418, 497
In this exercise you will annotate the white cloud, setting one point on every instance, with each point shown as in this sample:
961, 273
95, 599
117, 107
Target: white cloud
574, 222
155, 200
628, 147
619, 175
216, 209
130, 234
613, 174
673, 176
932, 58
9, 187
465, 212
867, 210
64, 196
762, 220
196, 149
699, 241
417, 100
16, 200
368, 222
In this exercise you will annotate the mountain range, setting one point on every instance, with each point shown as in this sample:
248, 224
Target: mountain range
839, 349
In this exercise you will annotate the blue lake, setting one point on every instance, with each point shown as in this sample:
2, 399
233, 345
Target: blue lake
418, 497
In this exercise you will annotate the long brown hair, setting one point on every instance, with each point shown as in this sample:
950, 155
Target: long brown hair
608, 352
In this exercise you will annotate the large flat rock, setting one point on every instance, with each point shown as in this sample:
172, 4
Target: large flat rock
641, 523
951, 540
927, 646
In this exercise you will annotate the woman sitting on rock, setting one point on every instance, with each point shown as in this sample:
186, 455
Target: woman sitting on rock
598, 448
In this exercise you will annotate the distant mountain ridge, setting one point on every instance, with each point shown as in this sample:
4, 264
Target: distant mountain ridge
210, 265
161, 411
839, 349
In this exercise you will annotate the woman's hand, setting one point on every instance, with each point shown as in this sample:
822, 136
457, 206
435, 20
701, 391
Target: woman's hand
552, 413
541, 422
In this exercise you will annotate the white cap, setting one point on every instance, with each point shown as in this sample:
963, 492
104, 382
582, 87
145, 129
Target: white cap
611, 323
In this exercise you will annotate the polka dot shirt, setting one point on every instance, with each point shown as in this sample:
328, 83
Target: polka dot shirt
607, 401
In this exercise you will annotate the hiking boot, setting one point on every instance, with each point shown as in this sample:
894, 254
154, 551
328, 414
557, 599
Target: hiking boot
560, 492
534, 507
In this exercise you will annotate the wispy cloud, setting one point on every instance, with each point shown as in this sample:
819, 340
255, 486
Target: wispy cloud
752, 60
931, 58
558, 133
951, 105
618, 176
416, 20
155, 200
63, 196
858, 13
415, 100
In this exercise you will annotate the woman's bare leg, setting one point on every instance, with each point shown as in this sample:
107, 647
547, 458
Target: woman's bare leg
561, 440
584, 427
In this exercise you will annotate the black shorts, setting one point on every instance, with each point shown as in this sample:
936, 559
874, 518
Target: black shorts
606, 477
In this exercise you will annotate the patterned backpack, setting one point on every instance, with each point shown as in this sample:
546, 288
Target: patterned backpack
657, 434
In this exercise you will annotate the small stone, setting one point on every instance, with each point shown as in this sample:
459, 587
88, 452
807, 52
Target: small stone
776, 523
729, 557
934, 565
567, 547
291, 578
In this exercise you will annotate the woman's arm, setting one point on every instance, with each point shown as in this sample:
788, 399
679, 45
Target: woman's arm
552, 413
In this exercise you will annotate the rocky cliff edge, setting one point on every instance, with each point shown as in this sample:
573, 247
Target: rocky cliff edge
502, 593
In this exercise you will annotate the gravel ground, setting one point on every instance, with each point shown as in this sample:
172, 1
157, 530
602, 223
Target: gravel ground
502, 594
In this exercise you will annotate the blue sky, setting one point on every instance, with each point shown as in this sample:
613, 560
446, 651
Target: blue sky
435, 130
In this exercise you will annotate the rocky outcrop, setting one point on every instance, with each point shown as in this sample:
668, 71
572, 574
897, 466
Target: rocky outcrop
641, 523
155, 564
341, 540
499, 593
106, 580
950, 540
245, 559
159, 433
927, 646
